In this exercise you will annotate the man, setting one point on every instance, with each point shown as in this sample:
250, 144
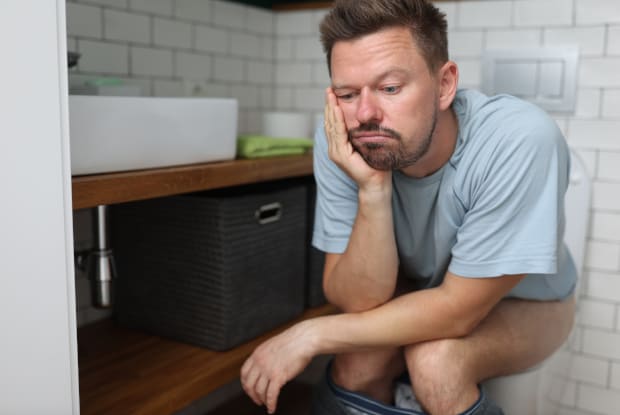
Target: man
458, 193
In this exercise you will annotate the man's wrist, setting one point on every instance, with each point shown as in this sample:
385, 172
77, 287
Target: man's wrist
313, 336
376, 194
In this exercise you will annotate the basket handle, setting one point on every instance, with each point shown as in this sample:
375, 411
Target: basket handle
268, 213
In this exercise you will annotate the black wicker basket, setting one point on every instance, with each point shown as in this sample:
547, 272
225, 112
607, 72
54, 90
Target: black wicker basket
315, 258
213, 269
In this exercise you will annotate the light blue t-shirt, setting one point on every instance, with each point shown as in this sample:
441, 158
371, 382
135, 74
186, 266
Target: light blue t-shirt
496, 208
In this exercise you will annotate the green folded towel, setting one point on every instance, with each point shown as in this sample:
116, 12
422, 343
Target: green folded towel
254, 146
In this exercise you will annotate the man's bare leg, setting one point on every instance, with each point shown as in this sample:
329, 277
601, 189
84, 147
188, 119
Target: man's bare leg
372, 373
516, 335
369, 373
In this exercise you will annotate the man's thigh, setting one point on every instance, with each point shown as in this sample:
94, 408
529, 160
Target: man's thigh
516, 335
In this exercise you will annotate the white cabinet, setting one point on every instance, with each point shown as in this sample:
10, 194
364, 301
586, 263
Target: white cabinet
38, 350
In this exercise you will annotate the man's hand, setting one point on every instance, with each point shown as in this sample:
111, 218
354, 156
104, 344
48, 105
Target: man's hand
341, 150
275, 362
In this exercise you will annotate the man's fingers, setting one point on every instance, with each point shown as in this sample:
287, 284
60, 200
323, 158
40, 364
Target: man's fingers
248, 381
339, 122
335, 129
261, 389
273, 391
329, 112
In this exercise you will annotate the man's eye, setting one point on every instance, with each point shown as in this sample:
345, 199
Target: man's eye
346, 97
391, 89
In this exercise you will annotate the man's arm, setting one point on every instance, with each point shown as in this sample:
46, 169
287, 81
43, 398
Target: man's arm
364, 276
451, 310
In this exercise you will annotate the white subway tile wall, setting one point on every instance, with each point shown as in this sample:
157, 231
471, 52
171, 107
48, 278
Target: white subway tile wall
152, 62
589, 369
210, 39
260, 21
600, 134
84, 20
99, 57
591, 40
273, 60
615, 375
245, 45
194, 10
157, 7
111, 3
588, 103
193, 66
177, 47
295, 24
171, 33
611, 103
602, 12
517, 38
597, 314
127, 27
598, 400
566, 392
479, 14
603, 286
231, 15
613, 46
600, 72
466, 44
542, 13
605, 226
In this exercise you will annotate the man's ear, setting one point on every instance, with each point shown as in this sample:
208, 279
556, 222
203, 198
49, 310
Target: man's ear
448, 83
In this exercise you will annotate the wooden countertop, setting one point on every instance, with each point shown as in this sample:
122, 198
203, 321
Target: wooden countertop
104, 189
128, 372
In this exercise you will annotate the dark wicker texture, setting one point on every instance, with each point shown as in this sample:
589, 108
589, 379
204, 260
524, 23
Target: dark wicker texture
315, 258
201, 269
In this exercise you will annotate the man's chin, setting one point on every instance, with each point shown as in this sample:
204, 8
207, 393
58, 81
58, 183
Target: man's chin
383, 162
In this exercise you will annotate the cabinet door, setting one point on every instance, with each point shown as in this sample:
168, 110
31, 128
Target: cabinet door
38, 356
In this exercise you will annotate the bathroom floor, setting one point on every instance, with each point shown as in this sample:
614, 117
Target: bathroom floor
294, 400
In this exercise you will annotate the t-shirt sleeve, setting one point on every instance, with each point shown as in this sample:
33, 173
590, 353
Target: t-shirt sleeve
514, 201
336, 201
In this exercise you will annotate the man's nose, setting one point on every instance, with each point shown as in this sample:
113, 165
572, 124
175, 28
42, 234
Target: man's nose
368, 109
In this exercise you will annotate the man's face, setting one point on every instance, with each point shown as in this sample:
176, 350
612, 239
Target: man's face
388, 97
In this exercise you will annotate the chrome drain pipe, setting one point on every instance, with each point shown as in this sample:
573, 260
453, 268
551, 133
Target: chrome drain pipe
101, 270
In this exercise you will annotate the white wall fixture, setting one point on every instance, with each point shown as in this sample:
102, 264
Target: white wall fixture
545, 76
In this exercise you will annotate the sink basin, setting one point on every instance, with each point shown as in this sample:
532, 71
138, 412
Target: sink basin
111, 134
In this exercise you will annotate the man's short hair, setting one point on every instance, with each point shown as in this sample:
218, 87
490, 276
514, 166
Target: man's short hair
352, 19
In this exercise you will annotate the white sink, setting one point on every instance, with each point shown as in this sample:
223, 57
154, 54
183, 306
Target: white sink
128, 133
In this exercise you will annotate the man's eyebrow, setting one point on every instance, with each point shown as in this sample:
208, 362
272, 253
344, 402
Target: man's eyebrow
377, 79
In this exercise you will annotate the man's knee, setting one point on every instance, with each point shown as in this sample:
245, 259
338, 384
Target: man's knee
434, 361
440, 377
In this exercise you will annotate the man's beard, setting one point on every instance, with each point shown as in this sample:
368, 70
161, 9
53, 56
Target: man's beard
380, 157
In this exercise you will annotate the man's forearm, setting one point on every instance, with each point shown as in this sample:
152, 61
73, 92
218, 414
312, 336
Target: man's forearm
451, 310
365, 274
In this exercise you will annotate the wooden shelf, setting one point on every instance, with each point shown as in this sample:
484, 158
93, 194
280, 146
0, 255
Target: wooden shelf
125, 371
110, 188
128, 372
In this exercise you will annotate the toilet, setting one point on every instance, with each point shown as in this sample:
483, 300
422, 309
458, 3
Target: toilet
520, 394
